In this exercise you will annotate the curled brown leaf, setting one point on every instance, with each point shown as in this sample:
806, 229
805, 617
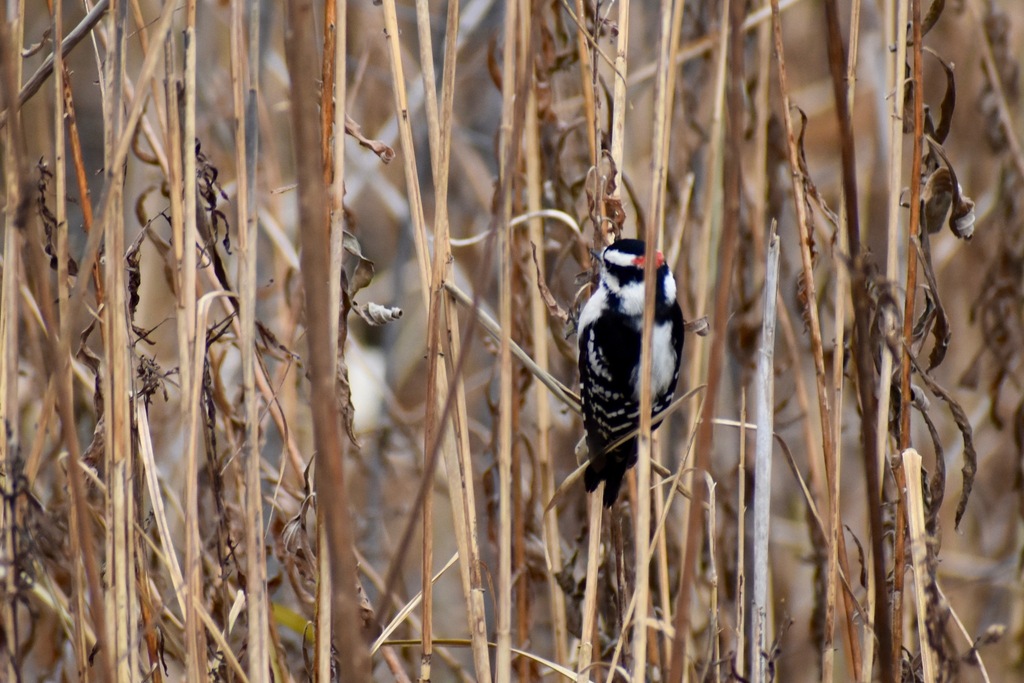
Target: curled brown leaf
383, 151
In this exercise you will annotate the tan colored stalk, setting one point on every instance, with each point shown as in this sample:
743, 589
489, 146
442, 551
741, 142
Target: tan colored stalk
825, 416
589, 617
659, 531
152, 476
836, 540
57, 351
725, 225
117, 382
542, 402
353, 657
155, 105
412, 184
9, 334
81, 178
660, 143
332, 112
671, 246
452, 436
434, 425
184, 241
710, 226
78, 638
866, 384
913, 235
618, 131
911, 465
741, 538
507, 154
586, 82
244, 84
333, 101
460, 461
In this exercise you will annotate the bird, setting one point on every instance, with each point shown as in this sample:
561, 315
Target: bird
609, 331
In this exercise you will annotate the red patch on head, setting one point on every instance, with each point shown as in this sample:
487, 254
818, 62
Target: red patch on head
659, 259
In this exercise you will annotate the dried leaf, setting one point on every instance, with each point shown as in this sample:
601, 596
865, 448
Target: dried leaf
863, 576
936, 488
384, 152
554, 309
270, 340
993, 634
941, 330
50, 226
949, 99
961, 218
970, 467
925, 320
363, 273
930, 19
937, 197
376, 314
131, 259
699, 327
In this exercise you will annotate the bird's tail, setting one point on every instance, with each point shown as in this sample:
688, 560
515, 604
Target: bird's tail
612, 474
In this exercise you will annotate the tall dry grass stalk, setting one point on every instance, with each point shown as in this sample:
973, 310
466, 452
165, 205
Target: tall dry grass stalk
266, 359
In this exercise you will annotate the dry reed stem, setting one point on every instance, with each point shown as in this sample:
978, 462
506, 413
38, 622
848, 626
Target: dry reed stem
244, 88
585, 655
652, 232
741, 538
914, 509
188, 346
9, 333
731, 80
353, 658
557, 389
699, 354
438, 156
435, 445
913, 232
618, 131
765, 411
803, 222
674, 478
152, 476
982, 669
35, 82
836, 539
408, 611
539, 325
451, 439
507, 156
587, 79
433, 427
78, 637
116, 384
897, 84
672, 245
335, 47
865, 377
